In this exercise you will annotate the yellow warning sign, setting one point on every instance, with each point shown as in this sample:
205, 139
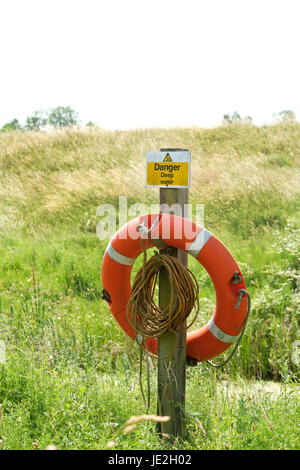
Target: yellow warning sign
167, 158
168, 169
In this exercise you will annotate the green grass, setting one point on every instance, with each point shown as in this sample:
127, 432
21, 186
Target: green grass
85, 409
70, 375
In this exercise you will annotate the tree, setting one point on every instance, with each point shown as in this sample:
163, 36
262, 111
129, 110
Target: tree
13, 125
36, 121
235, 118
62, 116
286, 116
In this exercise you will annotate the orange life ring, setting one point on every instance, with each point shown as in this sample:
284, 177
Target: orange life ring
230, 313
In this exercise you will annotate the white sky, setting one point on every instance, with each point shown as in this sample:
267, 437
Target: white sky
142, 63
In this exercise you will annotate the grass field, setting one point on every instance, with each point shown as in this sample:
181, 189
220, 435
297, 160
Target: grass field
71, 377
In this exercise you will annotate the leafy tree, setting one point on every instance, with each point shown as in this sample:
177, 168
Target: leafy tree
235, 118
62, 116
286, 116
36, 121
13, 125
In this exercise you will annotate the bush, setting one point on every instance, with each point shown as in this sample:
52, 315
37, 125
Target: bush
13, 125
286, 116
36, 121
235, 118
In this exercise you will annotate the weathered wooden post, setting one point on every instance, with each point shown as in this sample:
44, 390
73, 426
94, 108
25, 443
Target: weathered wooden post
171, 367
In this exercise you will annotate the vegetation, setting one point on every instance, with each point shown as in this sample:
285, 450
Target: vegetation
11, 126
62, 116
37, 121
235, 118
286, 116
71, 377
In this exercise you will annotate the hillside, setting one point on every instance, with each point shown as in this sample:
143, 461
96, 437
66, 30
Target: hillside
236, 172
69, 370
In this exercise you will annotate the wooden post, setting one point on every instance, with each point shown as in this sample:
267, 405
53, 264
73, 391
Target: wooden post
171, 371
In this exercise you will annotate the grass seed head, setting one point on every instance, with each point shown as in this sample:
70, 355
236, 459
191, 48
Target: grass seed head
51, 447
129, 428
110, 445
155, 418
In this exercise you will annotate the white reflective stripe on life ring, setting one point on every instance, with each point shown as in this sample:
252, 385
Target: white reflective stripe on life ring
116, 256
199, 242
219, 334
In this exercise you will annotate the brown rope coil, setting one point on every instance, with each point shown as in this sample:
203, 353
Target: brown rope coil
150, 320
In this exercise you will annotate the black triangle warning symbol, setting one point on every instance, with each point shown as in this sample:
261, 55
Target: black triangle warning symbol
167, 158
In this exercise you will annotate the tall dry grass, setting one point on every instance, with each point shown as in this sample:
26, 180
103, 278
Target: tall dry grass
52, 174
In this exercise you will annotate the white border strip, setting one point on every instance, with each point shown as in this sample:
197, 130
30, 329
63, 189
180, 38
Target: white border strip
219, 334
199, 242
116, 256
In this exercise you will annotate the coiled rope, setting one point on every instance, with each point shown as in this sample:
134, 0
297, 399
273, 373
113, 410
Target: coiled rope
151, 320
